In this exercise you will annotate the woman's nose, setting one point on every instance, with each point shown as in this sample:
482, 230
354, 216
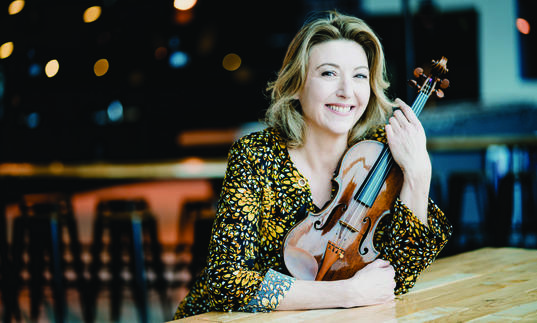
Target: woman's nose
345, 88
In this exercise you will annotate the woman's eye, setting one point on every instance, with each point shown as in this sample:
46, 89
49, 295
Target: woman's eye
328, 73
361, 76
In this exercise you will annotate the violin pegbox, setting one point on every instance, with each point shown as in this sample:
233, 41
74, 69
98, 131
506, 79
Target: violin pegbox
427, 84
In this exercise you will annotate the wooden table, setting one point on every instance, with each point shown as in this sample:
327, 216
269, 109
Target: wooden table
485, 285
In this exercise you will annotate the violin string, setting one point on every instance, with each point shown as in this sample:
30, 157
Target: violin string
417, 107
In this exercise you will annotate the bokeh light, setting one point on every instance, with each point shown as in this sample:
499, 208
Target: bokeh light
183, 17
15, 7
34, 70
523, 26
52, 68
178, 59
32, 120
231, 62
184, 4
101, 67
161, 53
6, 49
91, 14
115, 111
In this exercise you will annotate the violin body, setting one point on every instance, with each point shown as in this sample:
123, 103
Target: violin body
345, 222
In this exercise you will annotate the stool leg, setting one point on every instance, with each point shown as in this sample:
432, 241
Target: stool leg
139, 269
39, 242
150, 225
13, 279
92, 291
76, 251
57, 273
116, 235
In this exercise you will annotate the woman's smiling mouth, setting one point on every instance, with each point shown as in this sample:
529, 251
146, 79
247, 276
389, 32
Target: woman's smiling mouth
340, 108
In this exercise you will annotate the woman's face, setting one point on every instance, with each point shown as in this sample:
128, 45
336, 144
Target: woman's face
336, 91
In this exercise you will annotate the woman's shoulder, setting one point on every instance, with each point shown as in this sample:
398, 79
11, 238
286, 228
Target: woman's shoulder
261, 141
376, 133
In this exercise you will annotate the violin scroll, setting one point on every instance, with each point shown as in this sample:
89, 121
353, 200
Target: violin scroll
426, 83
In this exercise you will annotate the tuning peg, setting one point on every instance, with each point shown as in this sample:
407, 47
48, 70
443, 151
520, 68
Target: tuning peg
413, 83
439, 93
444, 84
418, 71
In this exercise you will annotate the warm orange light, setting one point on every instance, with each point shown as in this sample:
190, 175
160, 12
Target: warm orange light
52, 68
15, 7
183, 17
161, 53
231, 62
91, 14
6, 50
184, 4
523, 26
101, 67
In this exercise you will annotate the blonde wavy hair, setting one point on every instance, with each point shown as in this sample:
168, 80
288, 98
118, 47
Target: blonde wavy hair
285, 113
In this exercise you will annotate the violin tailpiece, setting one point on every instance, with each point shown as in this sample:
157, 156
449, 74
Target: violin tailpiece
331, 255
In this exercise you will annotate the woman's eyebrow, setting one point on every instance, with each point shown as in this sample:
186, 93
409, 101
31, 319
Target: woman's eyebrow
337, 66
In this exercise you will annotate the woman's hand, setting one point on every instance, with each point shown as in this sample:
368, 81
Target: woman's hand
373, 284
407, 142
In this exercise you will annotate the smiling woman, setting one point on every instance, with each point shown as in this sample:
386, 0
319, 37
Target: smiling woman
329, 94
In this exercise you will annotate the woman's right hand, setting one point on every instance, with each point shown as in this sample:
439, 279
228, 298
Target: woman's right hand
373, 284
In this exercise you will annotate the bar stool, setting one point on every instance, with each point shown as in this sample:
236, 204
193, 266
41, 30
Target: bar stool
45, 235
125, 232
515, 220
202, 214
468, 210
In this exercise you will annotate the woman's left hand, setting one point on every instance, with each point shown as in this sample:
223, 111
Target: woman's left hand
407, 142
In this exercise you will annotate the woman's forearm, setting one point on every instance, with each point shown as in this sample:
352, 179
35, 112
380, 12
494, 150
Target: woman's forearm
415, 193
373, 284
314, 295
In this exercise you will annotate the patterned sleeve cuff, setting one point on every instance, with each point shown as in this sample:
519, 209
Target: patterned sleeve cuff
439, 227
271, 292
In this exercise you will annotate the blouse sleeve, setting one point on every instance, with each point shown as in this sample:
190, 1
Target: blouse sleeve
409, 245
233, 283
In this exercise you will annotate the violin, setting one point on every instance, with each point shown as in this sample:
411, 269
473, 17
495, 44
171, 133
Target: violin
336, 242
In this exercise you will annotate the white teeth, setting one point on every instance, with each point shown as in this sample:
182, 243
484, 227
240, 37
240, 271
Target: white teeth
339, 109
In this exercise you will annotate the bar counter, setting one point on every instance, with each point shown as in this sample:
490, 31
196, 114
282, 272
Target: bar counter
484, 285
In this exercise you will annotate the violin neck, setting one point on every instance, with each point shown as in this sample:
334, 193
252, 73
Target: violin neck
372, 184
419, 103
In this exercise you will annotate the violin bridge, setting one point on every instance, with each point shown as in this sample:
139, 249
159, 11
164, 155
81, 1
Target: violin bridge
348, 226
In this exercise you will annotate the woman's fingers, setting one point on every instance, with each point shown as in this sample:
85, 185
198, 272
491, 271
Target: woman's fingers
406, 109
380, 263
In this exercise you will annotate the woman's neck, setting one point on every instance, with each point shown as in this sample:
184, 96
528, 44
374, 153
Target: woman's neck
317, 160
322, 151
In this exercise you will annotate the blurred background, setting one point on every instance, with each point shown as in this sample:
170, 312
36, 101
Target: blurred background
116, 117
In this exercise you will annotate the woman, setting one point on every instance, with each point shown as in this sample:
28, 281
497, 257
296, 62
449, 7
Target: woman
329, 94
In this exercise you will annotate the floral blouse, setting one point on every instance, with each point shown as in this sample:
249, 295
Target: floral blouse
261, 199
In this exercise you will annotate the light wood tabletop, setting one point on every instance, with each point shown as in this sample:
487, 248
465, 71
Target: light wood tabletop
485, 285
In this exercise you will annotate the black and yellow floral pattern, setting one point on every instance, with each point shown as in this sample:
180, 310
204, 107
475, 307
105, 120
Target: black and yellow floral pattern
262, 198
